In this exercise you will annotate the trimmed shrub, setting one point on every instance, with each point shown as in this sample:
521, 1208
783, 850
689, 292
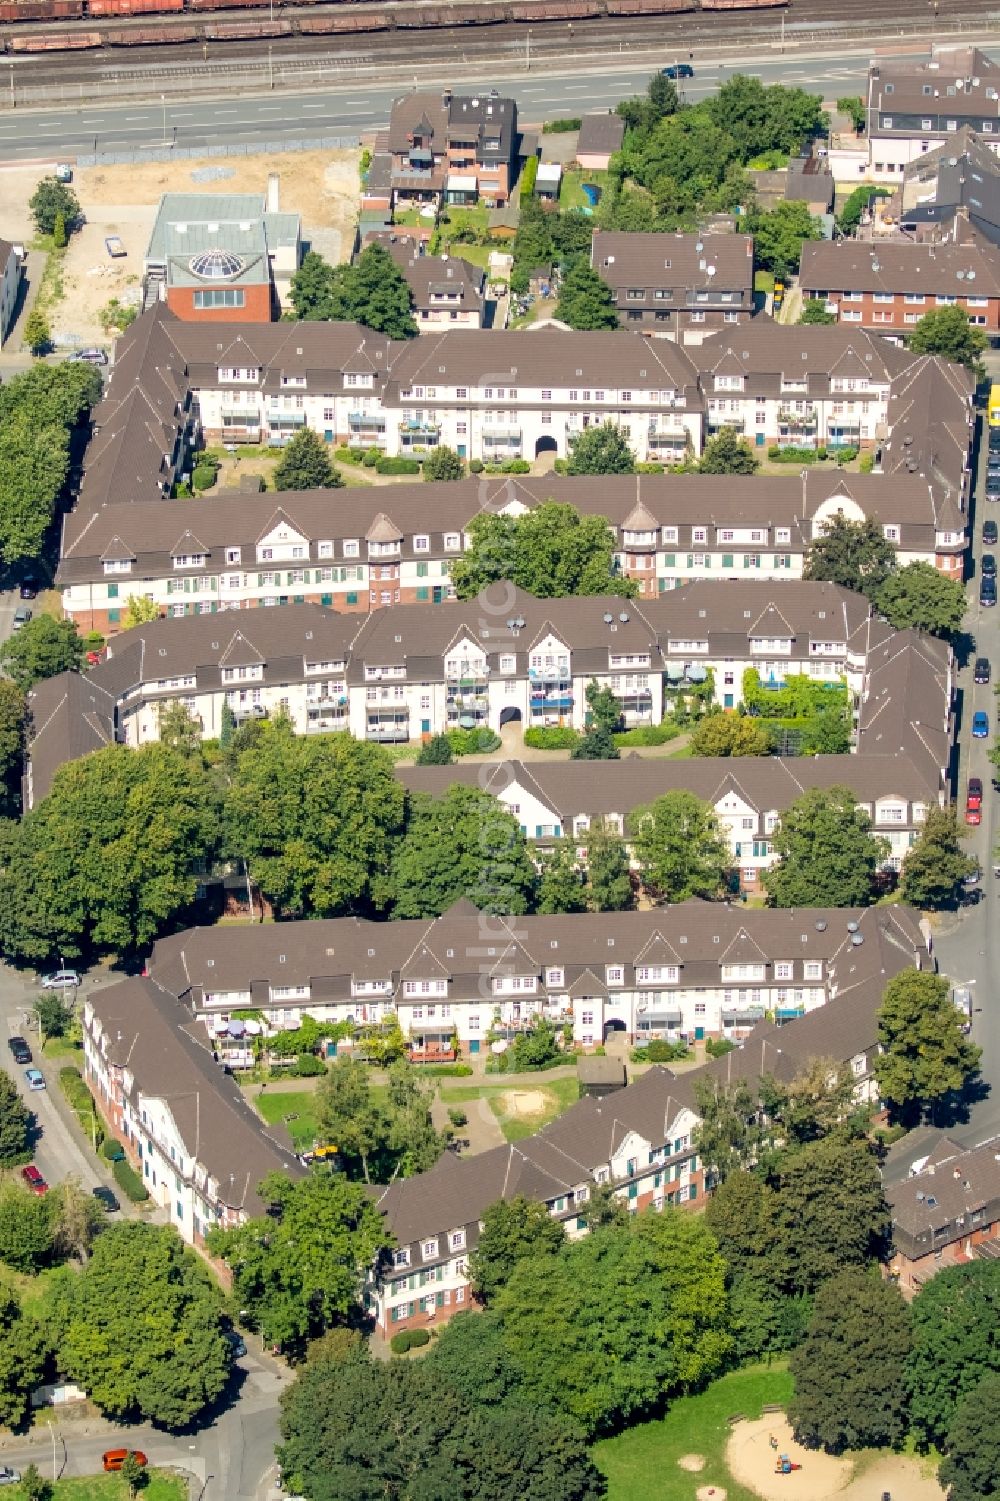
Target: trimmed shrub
129, 1182
559, 466
867, 462
843, 455
647, 734
476, 466
204, 478
795, 455
370, 457
112, 1149
400, 1343
528, 176
649, 468
345, 455
457, 1117
386, 465
658, 1050
308, 1066
447, 1070
509, 466
473, 742
557, 127
556, 737
419, 1338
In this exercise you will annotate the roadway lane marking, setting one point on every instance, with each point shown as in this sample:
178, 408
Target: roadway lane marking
225, 112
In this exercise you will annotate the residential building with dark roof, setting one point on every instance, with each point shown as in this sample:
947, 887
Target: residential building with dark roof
453, 148
447, 291
749, 795
888, 285
11, 275
683, 286
914, 105
945, 1213
377, 548
952, 193
198, 1146
601, 135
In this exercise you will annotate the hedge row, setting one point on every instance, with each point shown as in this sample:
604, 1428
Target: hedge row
556, 737
447, 1070
397, 466
473, 742
81, 1102
408, 1339
648, 734
129, 1182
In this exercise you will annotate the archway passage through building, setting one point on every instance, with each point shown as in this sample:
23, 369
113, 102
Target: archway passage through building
546, 444
510, 715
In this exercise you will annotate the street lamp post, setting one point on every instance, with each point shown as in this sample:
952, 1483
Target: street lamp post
527, 53
163, 102
270, 66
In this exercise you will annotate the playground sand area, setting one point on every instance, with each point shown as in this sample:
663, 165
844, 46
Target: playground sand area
751, 1459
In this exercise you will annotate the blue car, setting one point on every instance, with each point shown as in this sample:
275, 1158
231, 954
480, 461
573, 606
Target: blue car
980, 725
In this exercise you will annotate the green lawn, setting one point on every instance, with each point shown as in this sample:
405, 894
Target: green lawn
641, 1464
557, 1096
571, 194
274, 1107
62, 1048
161, 1487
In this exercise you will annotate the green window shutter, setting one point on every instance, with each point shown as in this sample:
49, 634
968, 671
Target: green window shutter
114, 616
440, 1296
421, 570
170, 587
112, 591
423, 594
306, 576
670, 560
690, 562
326, 599
298, 599
352, 599
727, 560
213, 584
260, 581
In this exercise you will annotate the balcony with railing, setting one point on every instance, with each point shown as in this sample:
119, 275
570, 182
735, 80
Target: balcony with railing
551, 703
415, 426
388, 728
556, 673
805, 421
716, 420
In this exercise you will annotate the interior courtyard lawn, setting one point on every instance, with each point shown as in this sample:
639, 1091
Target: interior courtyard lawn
274, 1107
520, 1108
162, 1487
642, 1463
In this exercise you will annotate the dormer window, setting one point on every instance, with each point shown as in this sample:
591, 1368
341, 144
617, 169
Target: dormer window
190, 560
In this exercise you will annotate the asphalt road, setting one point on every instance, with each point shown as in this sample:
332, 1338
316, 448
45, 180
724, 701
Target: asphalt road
354, 107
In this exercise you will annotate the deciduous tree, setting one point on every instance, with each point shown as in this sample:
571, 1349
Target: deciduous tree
436, 751
921, 597
731, 1131
15, 1123
946, 331
306, 465
464, 843
37, 332
22, 1359
26, 1242
778, 236
315, 817
608, 875
936, 866
41, 649
561, 886
827, 855
373, 292
140, 609
299, 1269
679, 848
602, 449
955, 1318
831, 1211
924, 1059
139, 1327
443, 463
726, 452
850, 1389
855, 554
51, 199
730, 735
513, 1230
347, 1114
586, 300
814, 311
550, 551
971, 1467
12, 709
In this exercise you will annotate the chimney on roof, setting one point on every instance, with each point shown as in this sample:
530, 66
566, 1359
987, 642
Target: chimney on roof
446, 97
273, 193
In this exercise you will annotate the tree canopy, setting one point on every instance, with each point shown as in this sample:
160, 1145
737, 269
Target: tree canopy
924, 1059
299, 1269
551, 551
935, 867
305, 464
40, 649
586, 300
22, 1359
315, 818
608, 869
378, 1140
443, 463
971, 1468
601, 449
373, 291
827, 854
110, 856
850, 1387
947, 331
814, 311
464, 843
726, 452
956, 1315
38, 410
15, 1123
922, 597
678, 847
730, 735
513, 1230
12, 726
779, 234
855, 554
139, 1327
830, 1209
53, 200
859, 202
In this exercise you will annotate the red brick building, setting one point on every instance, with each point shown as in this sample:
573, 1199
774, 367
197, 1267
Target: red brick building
945, 1213
888, 286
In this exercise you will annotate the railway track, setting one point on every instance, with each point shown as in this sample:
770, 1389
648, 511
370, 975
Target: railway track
298, 58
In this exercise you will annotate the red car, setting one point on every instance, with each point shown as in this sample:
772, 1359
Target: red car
974, 802
113, 1459
34, 1179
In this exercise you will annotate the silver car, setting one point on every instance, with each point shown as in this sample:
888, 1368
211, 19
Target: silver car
63, 979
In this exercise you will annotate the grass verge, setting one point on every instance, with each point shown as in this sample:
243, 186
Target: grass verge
642, 1464
161, 1487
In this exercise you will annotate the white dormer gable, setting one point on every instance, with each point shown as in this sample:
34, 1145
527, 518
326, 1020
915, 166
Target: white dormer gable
528, 807
281, 541
464, 653
511, 508
548, 651
839, 504
631, 1156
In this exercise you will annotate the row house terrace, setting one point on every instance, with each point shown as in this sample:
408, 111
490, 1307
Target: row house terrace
887, 286
683, 287
380, 548
946, 1212
695, 970
199, 1148
915, 106
552, 802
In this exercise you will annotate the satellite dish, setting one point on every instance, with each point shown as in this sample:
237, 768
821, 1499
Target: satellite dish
608, 617
623, 617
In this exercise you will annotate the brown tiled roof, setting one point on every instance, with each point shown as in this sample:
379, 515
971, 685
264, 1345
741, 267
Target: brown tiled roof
899, 266
935, 1206
428, 274
600, 132
68, 717
147, 1032
681, 263
961, 82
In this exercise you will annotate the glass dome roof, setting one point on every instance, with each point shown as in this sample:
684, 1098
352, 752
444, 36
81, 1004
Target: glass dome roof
216, 265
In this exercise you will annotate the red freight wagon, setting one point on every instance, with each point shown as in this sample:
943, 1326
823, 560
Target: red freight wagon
131, 7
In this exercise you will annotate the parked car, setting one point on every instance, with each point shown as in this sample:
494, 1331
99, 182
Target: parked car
974, 801
678, 70
993, 485
20, 1049
21, 617
113, 1459
990, 536
9, 1476
90, 356
980, 725
107, 1200
35, 1078
34, 1179
64, 172
982, 670
988, 590
237, 1343
29, 587
989, 566
63, 979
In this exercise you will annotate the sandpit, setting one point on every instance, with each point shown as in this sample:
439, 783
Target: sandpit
525, 1102
751, 1460
694, 1462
